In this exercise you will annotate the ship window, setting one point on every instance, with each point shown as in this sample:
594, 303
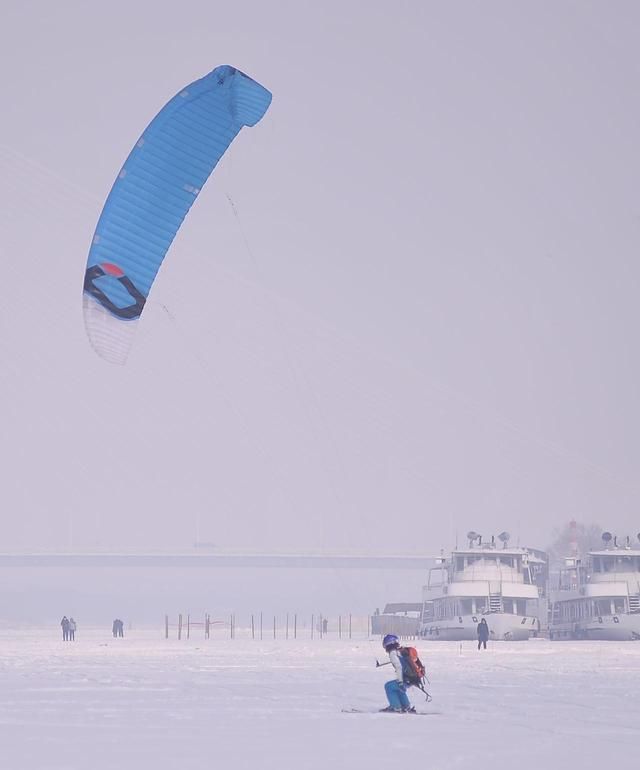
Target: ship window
618, 605
427, 612
607, 563
459, 563
465, 607
603, 606
521, 606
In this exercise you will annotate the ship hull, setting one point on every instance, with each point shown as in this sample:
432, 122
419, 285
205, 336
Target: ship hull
502, 627
611, 628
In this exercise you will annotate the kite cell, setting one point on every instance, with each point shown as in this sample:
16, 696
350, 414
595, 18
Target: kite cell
151, 196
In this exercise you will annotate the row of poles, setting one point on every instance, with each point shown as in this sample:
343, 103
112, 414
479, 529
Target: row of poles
261, 627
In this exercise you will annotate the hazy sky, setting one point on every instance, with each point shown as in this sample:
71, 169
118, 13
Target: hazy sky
423, 319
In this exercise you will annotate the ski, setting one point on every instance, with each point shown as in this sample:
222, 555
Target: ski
401, 713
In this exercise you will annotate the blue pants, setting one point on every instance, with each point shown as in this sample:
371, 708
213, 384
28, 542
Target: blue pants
397, 698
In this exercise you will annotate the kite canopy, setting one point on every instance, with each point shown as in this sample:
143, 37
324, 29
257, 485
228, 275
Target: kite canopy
151, 196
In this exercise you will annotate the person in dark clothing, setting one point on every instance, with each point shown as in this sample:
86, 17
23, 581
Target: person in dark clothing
117, 628
483, 633
65, 628
72, 630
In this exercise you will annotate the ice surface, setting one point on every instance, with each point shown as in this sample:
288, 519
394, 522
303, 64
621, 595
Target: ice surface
146, 702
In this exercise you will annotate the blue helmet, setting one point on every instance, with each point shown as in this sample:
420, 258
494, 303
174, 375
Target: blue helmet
390, 640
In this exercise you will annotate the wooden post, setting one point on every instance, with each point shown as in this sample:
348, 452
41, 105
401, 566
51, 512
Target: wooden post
166, 626
179, 626
253, 629
207, 628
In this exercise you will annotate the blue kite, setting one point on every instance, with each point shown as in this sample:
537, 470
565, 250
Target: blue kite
151, 196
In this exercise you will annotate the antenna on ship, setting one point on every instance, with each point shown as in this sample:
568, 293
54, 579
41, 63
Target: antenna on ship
606, 538
504, 538
471, 536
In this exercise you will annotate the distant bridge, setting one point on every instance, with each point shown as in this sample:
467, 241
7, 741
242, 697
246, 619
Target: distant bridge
215, 559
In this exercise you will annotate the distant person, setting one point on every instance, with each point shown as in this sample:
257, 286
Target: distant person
72, 630
325, 625
120, 628
114, 628
483, 633
65, 628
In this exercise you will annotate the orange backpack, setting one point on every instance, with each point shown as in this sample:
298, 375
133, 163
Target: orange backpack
412, 667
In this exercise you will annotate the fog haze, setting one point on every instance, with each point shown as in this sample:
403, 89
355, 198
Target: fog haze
404, 306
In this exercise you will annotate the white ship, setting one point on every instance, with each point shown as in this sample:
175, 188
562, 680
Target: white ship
599, 597
503, 584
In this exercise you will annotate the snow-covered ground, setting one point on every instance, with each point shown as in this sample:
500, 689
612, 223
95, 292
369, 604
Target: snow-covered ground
146, 702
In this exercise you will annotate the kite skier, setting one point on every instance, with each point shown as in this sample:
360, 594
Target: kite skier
396, 689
